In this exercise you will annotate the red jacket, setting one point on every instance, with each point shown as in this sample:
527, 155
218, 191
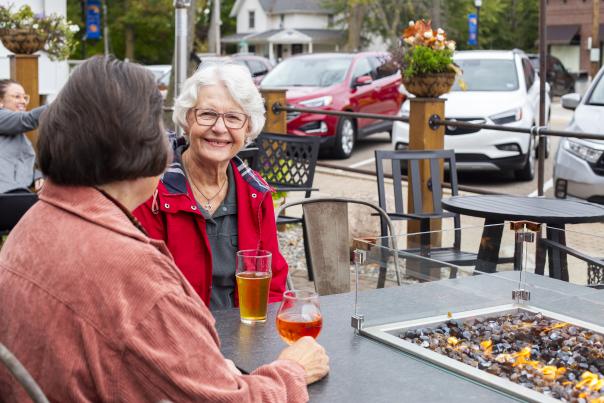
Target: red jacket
171, 215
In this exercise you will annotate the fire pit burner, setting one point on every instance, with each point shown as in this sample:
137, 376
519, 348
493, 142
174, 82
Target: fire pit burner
525, 351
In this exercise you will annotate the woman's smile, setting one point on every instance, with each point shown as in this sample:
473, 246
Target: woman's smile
218, 143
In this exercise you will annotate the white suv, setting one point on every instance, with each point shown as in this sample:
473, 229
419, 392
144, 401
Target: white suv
502, 89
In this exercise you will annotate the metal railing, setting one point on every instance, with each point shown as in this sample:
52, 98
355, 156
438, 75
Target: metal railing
436, 121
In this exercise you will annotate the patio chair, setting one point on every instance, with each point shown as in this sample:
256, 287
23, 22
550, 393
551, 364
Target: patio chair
329, 242
287, 163
412, 159
23, 377
12, 207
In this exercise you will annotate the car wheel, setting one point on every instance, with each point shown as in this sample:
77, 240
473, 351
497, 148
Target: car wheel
527, 172
345, 138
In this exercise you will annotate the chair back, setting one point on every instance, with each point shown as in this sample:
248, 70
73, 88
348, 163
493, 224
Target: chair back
329, 241
287, 162
12, 207
23, 377
413, 160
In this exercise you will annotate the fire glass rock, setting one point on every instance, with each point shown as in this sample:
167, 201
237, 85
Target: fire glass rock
561, 360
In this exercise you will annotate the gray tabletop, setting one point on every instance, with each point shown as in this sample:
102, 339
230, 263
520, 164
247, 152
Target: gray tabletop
542, 210
363, 370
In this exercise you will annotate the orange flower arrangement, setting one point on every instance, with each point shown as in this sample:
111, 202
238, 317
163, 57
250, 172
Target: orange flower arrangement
420, 33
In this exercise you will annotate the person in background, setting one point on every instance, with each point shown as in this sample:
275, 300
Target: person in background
94, 308
17, 156
209, 204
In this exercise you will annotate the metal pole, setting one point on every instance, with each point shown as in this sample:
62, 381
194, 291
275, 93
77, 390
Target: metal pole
542, 95
181, 59
477, 26
217, 23
595, 40
105, 30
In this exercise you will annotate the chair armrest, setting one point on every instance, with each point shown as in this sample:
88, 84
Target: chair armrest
294, 189
572, 252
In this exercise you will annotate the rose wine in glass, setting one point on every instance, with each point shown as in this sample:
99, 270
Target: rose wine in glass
299, 315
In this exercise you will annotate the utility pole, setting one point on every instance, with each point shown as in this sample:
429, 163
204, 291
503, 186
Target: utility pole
181, 55
217, 23
105, 29
594, 53
542, 84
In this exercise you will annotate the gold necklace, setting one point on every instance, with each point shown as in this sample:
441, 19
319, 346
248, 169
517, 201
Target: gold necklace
208, 204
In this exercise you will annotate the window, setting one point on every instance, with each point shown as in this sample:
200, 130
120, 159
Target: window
362, 68
252, 19
383, 66
281, 20
256, 67
529, 73
330, 20
488, 75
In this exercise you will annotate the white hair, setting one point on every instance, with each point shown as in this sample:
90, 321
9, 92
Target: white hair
239, 84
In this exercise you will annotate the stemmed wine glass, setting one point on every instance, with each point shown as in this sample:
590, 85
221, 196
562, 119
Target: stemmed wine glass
299, 315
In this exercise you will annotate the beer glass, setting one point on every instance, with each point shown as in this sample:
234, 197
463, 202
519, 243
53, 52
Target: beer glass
299, 315
253, 282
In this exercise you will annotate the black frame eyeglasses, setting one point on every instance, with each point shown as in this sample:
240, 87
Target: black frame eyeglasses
232, 120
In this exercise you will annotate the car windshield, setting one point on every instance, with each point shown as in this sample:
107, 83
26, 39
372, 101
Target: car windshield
308, 72
597, 95
487, 75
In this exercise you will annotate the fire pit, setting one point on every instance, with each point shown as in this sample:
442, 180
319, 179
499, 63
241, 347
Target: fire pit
532, 353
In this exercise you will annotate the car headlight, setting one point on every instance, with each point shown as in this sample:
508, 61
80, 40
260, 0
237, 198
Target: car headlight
513, 115
317, 102
405, 108
586, 153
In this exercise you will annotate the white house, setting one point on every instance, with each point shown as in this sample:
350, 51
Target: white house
51, 75
278, 29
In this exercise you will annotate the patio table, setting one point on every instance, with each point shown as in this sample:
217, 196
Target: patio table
363, 370
496, 209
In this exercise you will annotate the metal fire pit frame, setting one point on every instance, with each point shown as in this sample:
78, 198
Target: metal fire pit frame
387, 334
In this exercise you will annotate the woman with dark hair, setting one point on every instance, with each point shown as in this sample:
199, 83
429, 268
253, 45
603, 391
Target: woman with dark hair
94, 308
17, 155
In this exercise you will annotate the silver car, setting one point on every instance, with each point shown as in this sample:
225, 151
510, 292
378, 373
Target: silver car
579, 165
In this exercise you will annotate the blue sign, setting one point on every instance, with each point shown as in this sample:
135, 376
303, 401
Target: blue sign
93, 19
472, 29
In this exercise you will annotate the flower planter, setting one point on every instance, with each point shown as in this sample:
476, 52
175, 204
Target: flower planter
23, 41
429, 85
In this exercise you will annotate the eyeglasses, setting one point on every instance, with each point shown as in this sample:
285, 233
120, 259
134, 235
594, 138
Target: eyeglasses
21, 97
232, 120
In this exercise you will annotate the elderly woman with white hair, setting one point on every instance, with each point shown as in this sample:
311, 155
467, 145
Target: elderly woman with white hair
209, 204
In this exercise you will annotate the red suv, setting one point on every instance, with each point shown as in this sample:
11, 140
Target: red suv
364, 82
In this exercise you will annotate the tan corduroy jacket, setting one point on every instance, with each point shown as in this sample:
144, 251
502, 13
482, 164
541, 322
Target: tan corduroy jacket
97, 311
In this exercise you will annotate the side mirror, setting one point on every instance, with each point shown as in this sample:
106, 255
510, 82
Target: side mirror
570, 101
362, 80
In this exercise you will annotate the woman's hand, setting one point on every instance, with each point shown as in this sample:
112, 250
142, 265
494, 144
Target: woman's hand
311, 355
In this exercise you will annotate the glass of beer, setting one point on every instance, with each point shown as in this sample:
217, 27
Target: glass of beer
299, 315
253, 281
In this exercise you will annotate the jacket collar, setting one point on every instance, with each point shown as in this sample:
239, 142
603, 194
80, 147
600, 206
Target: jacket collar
175, 180
91, 205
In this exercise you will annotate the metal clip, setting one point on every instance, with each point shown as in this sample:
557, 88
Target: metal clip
356, 321
360, 256
525, 237
521, 295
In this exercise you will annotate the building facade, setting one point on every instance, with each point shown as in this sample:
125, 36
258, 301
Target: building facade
278, 29
569, 32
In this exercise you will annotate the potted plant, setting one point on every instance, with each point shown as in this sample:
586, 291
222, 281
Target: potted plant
426, 60
23, 32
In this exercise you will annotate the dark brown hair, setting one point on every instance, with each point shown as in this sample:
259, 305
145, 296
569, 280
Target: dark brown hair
4, 85
105, 126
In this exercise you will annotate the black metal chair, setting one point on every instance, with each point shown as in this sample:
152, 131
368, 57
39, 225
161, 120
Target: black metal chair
398, 159
12, 208
287, 163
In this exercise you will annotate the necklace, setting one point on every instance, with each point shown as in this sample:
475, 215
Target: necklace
208, 204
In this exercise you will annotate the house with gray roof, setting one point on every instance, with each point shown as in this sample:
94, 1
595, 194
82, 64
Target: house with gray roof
278, 29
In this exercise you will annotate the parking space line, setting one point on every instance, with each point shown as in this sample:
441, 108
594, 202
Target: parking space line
361, 163
546, 186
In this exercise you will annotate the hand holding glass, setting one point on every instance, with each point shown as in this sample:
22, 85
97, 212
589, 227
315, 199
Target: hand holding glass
299, 315
253, 282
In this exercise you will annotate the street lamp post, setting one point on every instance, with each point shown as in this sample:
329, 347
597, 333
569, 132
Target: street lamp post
477, 4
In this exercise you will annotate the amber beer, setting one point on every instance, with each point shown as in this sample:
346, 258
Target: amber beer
253, 287
292, 326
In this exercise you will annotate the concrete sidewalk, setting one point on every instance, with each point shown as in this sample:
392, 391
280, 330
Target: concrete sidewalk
339, 183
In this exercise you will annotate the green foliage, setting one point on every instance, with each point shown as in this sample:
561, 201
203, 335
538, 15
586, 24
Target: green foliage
59, 32
422, 60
